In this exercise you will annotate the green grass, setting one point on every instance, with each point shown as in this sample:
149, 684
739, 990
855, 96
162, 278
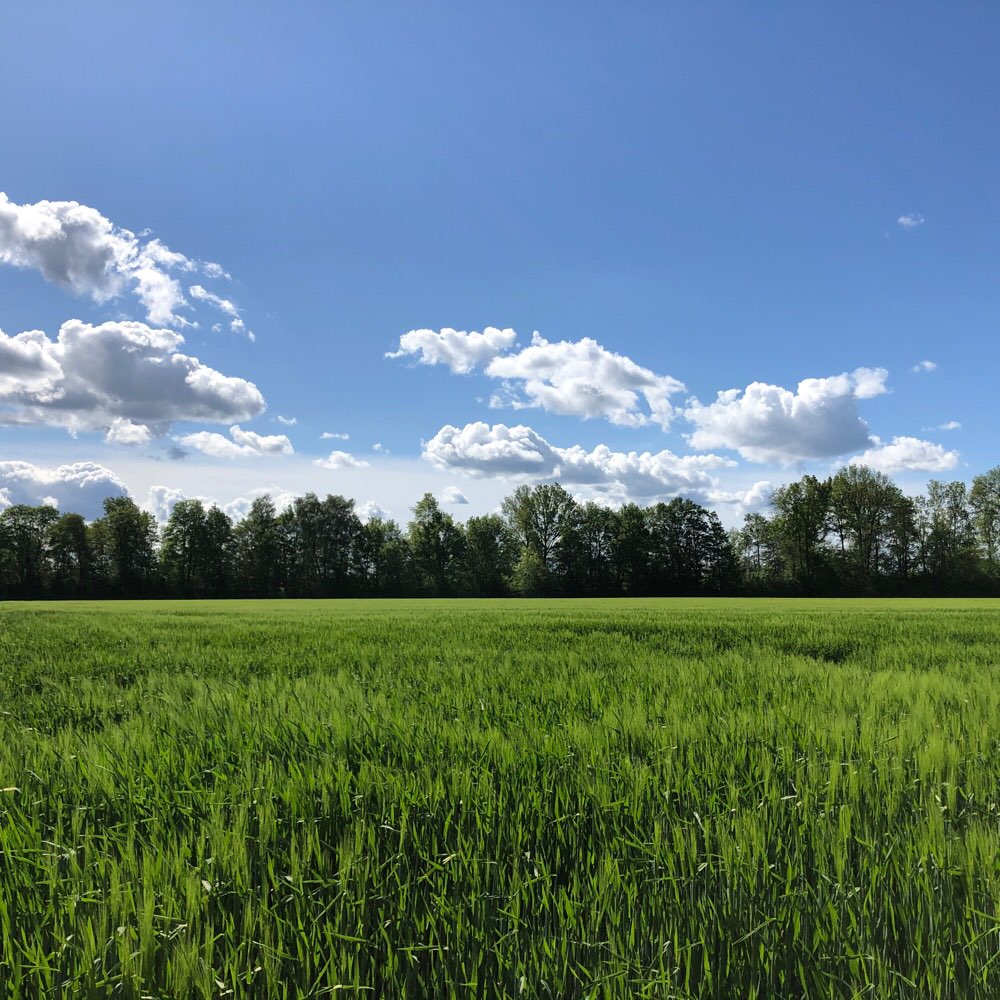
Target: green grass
757, 799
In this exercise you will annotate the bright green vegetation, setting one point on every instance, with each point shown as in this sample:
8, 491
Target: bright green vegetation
543, 799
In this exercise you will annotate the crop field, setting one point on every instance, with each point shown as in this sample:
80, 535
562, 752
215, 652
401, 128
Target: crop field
760, 799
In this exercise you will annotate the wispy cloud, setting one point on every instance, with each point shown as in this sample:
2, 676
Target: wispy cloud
924, 366
912, 220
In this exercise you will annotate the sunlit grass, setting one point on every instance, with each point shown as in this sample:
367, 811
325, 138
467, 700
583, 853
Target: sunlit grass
500, 799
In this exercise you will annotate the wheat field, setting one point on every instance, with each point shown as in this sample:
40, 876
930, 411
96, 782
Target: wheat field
524, 799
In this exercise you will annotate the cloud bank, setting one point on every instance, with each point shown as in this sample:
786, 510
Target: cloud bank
520, 453
79, 487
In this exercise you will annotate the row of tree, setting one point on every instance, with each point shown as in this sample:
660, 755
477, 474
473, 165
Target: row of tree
858, 533
854, 533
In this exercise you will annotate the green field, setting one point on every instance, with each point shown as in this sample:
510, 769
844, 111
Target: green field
562, 799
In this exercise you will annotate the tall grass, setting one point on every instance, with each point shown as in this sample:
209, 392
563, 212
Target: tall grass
548, 799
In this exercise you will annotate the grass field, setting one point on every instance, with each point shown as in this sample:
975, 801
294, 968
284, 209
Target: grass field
729, 799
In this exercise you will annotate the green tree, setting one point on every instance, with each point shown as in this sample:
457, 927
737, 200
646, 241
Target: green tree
182, 549
438, 546
586, 550
862, 503
490, 555
24, 532
630, 554
257, 550
217, 558
948, 549
984, 502
130, 541
69, 552
801, 523
538, 517
385, 560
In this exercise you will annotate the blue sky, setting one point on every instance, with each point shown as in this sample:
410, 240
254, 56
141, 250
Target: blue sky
680, 199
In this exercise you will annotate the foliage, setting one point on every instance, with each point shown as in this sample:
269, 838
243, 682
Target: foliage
854, 533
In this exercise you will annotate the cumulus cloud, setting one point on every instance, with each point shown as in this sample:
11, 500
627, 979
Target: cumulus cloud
768, 423
949, 425
77, 248
286, 421
911, 220
340, 460
582, 379
370, 510
334, 436
453, 495
116, 377
519, 452
924, 366
755, 498
79, 487
161, 500
907, 454
575, 378
125, 432
461, 351
239, 444
239, 508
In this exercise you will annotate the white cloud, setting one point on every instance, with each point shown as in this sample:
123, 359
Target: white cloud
239, 508
768, 423
92, 376
755, 498
370, 510
583, 379
340, 460
924, 366
911, 220
79, 487
224, 306
239, 444
908, 454
27, 365
519, 452
123, 431
453, 495
574, 378
76, 247
459, 350
381, 448
334, 436
213, 270
161, 500
286, 421
950, 425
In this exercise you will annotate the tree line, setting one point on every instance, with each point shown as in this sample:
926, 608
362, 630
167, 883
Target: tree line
852, 534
